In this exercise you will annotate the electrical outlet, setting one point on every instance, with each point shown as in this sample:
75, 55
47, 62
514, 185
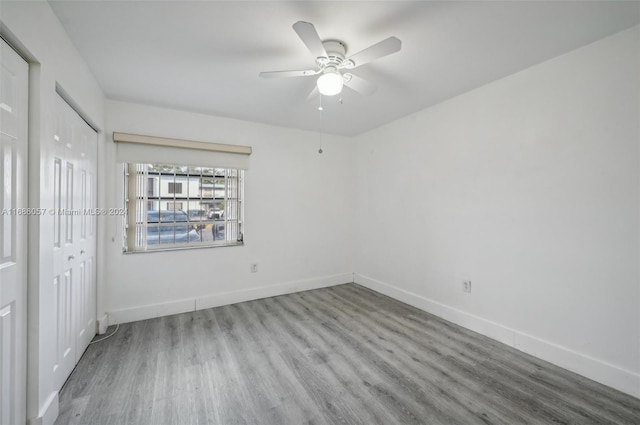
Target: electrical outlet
466, 286
254, 268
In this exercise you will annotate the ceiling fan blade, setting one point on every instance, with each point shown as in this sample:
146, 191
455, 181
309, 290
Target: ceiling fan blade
278, 74
309, 36
314, 94
360, 85
378, 50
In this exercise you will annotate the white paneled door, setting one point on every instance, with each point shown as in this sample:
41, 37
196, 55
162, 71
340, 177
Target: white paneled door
74, 238
13, 235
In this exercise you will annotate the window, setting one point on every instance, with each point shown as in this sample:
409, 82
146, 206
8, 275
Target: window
174, 206
175, 187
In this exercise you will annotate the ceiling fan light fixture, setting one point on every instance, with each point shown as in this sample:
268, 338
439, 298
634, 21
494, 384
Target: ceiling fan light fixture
330, 60
330, 82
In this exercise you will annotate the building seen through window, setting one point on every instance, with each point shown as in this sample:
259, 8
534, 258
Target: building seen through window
174, 206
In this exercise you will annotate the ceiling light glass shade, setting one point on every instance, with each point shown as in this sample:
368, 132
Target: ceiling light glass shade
330, 82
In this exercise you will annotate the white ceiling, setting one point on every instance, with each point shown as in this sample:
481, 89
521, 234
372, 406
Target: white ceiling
205, 56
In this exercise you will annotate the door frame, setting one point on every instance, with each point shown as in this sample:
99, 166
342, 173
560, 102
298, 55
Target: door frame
43, 86
21, 241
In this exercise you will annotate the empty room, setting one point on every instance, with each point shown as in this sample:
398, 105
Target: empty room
319, 212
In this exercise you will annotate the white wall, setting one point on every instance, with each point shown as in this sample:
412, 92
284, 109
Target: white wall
37, 34
299, 213
529, 187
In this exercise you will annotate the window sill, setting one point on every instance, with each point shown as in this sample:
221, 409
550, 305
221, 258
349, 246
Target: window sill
184, 248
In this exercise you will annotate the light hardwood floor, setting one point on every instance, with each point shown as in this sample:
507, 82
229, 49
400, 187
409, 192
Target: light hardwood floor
339, 355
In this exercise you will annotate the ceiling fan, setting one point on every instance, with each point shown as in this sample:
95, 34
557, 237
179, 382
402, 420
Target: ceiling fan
331, 62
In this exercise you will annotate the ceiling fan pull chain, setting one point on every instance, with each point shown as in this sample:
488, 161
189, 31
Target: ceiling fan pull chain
320, 109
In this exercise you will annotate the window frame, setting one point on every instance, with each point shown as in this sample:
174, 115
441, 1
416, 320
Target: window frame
138, 196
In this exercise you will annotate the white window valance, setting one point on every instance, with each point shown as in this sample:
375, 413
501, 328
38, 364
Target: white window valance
136, 148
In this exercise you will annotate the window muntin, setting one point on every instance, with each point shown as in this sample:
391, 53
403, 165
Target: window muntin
173, 206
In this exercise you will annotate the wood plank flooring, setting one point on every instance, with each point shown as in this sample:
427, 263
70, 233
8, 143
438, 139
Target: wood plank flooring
339, 355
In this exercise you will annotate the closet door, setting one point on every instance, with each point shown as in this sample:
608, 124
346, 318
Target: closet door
84, 297
74, 241
13, 235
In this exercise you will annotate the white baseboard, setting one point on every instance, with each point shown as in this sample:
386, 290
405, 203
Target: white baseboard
233, 297
48, 412
598, 370
215, 300
151, 311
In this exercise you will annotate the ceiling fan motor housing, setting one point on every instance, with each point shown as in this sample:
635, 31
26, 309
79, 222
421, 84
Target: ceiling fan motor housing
335, 53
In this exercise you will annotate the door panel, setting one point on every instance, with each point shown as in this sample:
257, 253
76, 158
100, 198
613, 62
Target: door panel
13, 233
74, 238
7, 372
85, 139
62, 250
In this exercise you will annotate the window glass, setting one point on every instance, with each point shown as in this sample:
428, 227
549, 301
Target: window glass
172, 206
